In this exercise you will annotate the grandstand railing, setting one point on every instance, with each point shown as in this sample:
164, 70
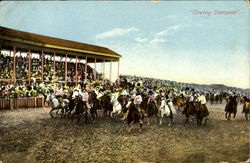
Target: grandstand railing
16, 103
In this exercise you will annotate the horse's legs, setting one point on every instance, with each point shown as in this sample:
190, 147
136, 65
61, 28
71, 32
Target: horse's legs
171, 121
51, 112
205, 122
140, 128
187, 119
149, 120
235, 114
129, 129
72, 117
229, 116
160, 123
78, 119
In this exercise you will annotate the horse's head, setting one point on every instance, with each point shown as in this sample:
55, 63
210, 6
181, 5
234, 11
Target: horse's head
113, 99
49, 98
163, 102
77, 99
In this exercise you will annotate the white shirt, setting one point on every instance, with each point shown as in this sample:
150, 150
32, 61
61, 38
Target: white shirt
138, 99
202, 99
85, 96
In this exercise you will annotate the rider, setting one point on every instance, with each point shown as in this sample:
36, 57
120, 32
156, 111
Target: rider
152, 98
85, 97
137, 103
131, 100
203, 101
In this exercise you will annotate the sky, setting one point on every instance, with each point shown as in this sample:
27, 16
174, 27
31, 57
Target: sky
185, 41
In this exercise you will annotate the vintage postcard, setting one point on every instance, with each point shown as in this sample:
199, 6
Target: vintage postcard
125, 81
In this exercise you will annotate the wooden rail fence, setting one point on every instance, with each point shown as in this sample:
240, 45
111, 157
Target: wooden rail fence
17, 103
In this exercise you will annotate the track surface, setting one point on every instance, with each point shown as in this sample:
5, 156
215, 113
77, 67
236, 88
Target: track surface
30, 135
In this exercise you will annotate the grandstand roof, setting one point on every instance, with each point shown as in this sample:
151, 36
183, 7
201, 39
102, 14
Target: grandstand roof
25, 41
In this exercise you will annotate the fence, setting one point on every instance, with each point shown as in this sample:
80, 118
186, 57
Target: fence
17, 103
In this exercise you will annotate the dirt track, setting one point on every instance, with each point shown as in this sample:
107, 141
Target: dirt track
30, 135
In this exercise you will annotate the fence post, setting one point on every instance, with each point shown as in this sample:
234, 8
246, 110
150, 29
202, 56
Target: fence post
35, 102
11, 104
43, 102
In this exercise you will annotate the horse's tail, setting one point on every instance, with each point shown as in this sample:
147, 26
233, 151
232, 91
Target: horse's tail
171, 112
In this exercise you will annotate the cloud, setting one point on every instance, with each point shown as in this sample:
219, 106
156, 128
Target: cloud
168, 30
157, 40
116, 32
159, 36
141, 40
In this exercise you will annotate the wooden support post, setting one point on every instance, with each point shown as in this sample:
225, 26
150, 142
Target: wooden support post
66, 69
14, 65
118, 73
110, 71
85, 69
42, 66
103, 70
54, 67
95, 70
29, 67
76, 74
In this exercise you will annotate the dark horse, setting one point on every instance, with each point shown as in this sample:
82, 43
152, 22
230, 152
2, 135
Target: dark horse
94, 104
195, 109
231, 107
133, 117
246, 107
153, 108
80, 110
106, 105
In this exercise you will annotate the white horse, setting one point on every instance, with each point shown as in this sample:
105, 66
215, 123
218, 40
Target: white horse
51, 99
167, 110
56, 104
117, 108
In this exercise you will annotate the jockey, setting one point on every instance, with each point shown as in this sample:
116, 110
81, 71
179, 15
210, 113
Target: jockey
137, 103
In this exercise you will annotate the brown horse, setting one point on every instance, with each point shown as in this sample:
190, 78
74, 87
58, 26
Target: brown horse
246, 107
195, 109
106, 105
231, 107
153, 109
80, 110
179, 102
94, 104
134, 116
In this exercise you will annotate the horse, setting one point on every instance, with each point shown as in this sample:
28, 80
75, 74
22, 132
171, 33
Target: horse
167, 110
152, 109
80, 110
231, 107
179, 101
106, 105
117, 108
94, 104
134, 116
202, 112
246, 107
195, 109
55, 104
123, 100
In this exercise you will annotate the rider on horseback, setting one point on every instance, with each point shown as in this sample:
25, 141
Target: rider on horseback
137, 102
152, 98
